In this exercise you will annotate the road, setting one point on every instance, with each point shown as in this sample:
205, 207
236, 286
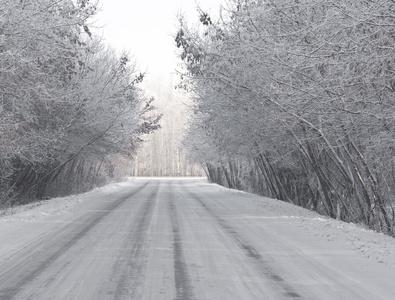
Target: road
180, 239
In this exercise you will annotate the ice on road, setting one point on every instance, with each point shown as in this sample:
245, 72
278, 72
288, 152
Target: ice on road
187, 239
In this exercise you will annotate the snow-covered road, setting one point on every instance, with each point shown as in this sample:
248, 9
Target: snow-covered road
187, 239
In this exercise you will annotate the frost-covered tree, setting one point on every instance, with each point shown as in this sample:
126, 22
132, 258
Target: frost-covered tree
303, 90
68, 105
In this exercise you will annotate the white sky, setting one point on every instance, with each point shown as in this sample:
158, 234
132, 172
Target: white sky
144, 29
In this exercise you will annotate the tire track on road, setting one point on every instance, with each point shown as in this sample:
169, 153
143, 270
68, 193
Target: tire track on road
28, 264
128, 270
184, 289
262, 266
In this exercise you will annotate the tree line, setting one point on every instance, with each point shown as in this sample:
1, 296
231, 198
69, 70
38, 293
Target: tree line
294, 99
71, 109
161, 154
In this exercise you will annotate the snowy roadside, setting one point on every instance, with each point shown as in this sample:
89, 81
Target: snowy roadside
52, 207
370, 244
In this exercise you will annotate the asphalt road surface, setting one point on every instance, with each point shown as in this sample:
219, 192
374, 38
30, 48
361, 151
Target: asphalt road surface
179, 239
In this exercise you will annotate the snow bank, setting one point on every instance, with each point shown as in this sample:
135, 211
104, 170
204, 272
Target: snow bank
370, 244
52, 207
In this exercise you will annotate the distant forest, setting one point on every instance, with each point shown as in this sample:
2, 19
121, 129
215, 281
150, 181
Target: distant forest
161, 154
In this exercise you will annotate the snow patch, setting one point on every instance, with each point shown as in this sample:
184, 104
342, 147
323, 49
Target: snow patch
368, 243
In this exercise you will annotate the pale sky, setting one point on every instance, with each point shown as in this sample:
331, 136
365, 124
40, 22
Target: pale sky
144, 29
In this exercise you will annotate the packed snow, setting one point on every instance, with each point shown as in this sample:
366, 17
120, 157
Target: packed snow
371, 245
